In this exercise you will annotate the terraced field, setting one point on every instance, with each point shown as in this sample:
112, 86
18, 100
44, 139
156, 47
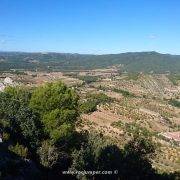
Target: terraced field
147, 111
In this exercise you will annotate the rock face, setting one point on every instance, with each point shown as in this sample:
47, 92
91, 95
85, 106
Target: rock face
6, 82
2, 87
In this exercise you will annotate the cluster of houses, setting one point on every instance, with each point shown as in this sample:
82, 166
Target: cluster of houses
6, 82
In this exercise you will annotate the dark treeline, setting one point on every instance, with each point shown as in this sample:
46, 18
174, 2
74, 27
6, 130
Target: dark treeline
40, 140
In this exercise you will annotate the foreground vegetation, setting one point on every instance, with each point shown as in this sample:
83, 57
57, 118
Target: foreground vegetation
40, 140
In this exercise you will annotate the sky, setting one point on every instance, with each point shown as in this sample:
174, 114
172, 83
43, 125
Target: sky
90, 26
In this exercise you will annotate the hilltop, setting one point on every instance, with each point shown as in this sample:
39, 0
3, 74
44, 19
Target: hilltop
130, 62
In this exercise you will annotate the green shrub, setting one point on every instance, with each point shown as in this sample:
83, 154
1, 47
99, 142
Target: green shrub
88, 106
48, 154
124, 92
99, 98
19, 150
88, 79
92, 101
175, 103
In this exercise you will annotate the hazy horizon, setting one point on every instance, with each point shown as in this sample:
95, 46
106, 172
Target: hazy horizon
46, 52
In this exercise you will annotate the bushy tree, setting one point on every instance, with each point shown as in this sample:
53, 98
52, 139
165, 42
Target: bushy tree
19, 93
29, 126
51, 96
11, 100
58, 108
48, 154
21, 122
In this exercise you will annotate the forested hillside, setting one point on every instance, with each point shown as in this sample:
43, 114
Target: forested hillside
132, 62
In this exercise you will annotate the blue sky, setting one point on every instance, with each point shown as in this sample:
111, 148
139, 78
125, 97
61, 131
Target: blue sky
90, 26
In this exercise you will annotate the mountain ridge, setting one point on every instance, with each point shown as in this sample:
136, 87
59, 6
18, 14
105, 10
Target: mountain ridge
131, 61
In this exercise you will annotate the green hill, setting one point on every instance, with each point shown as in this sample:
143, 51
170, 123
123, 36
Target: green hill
131, 62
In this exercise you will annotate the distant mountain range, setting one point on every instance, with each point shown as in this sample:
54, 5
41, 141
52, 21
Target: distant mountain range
131, 62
